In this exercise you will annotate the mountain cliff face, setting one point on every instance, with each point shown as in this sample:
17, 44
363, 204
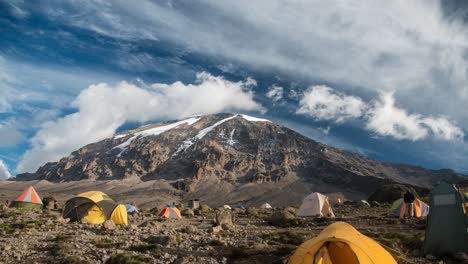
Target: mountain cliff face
223, 152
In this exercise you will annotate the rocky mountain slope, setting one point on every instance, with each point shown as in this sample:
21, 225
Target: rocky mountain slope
237, 157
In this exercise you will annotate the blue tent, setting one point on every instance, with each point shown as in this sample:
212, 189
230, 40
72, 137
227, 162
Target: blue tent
131, 209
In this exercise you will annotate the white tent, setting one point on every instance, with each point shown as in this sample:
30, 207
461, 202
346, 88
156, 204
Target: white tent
227, 207
315, 204
266, 206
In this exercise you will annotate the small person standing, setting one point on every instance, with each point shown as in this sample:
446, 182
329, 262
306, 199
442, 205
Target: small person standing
409, 200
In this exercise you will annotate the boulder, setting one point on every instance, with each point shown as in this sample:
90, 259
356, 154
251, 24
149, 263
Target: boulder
390, 193
216, 229
190, 229
48, 202
204, 207
223, 217
291, 210
155, 210
188, 212
109, 225
198, 212
461, 256
281, 218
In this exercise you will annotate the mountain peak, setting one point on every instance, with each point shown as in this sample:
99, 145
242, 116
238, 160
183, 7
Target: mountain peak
231, 153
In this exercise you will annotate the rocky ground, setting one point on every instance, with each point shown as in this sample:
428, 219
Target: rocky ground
255, 236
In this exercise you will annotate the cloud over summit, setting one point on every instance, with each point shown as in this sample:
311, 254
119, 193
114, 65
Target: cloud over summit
102, 108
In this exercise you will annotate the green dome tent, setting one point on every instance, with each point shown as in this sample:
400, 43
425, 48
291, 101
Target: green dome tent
447, 226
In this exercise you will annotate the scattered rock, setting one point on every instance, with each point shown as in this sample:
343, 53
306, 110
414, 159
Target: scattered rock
204, 207
281, 218
291, 210
109, 225
188, 212
191, 229
223, 217
251, 211
461, 256
216, 229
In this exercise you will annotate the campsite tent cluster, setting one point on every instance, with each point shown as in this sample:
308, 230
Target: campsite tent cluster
93, 207
446, 232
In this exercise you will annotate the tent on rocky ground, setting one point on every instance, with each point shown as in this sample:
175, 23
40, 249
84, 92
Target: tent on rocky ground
341, 243
29, 199
170, 212
315, 204
266, 206
95, 207
447, 223
421, 209
227, 207
131, 209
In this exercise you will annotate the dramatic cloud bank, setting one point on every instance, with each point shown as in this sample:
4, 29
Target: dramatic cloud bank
4, 173
103, 108
382, 116
368, 45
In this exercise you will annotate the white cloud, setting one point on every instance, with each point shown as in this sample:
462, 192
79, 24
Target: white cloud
103, 108
381, 116
385, 118
275, 93
4, 173
322, 103
10, 135
442, 128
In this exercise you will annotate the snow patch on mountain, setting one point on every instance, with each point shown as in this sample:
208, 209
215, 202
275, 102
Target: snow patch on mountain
155, 131
254, 119
231, 141
202, 133
207, 130
120, 136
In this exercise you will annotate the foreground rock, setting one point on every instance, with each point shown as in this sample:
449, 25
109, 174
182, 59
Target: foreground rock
41, 237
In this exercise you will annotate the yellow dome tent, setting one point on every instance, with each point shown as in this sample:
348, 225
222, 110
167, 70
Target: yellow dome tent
95, 207
341, 243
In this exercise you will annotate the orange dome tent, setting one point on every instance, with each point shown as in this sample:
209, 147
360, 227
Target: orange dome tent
341, 243
28, 199
170, 212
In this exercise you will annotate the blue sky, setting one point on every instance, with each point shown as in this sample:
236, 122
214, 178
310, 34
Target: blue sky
386, 80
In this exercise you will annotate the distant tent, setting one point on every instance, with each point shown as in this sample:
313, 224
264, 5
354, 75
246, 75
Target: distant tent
421, 209
315, 204
131, 209
341, 243
170, 212
95, 207
363, 203
227, 207
447, 226
28, 199
266, 206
